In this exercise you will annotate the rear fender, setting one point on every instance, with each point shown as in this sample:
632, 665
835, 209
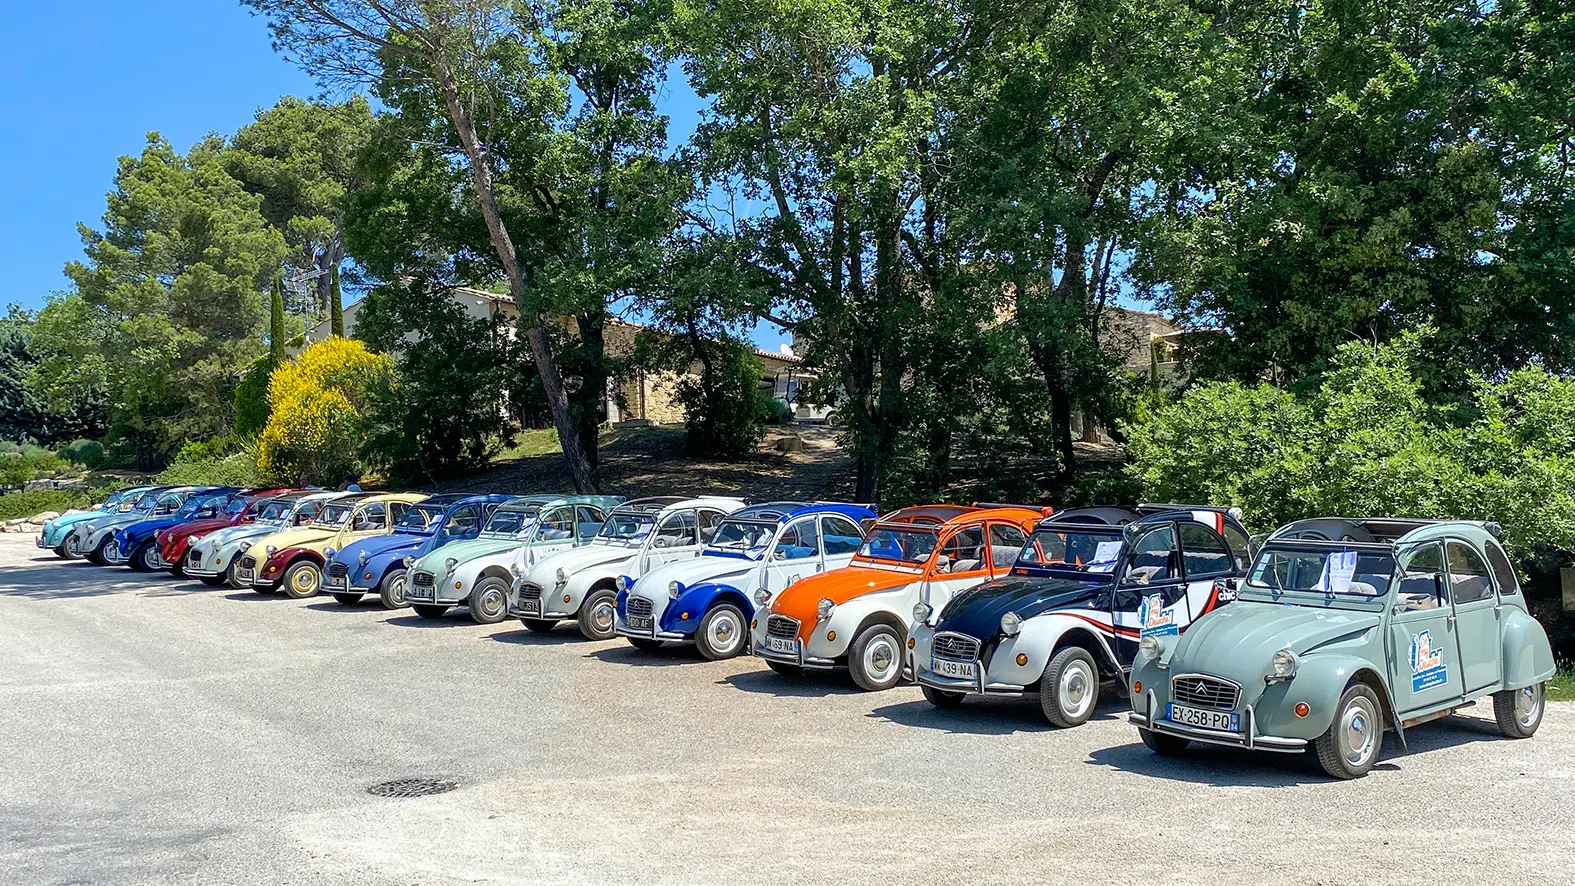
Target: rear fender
1528, 656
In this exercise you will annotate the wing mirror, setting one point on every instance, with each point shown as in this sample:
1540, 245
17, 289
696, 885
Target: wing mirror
943, 563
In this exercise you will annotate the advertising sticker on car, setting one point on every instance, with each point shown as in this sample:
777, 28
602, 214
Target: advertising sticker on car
962, 670
1222, 721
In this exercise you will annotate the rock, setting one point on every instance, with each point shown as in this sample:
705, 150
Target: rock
790, 443
43, 517
35, 485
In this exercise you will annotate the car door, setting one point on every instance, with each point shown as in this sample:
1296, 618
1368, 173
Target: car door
1476, 615
1424, 656
676, 537
965, 564
588, 521
1206, 558
368, 520
1006, 542
1151, 584
557, 531
839, 541
794, 554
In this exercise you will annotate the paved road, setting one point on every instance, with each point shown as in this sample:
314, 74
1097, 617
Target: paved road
159, 731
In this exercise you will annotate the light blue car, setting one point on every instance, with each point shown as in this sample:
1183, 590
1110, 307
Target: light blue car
56, 534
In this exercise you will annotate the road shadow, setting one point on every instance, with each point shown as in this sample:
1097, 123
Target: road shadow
72, 579
563, 635
986, 716
253, 596
451, 618
332, 605
810, 684
667, 656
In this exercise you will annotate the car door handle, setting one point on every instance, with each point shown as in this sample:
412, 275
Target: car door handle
1450, 619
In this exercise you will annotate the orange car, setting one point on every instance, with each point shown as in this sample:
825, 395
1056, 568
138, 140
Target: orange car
859, 616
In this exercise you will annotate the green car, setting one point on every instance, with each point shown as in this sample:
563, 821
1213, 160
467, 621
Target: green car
1344, 628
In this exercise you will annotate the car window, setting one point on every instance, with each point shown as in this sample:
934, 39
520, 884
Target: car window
965, 551
1468, 574
839, 535
1503, 572
463, 520
1006, 542
589, 520
557, 524
676, 530
373, 516
1203, 553
306, 514
1421, 579
1240, 547
799, 541
709, 520
396, 511
1154, 557
168, 505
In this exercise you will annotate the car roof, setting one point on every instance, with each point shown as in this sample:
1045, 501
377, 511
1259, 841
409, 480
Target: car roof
769, 511
1121, 515
484, 498
1380, 531
957, 515
444, 499
856, 513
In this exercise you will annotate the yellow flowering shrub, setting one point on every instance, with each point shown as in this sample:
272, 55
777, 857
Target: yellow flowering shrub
315, 426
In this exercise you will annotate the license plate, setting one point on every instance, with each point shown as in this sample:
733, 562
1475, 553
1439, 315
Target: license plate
530, 607
962, 670
1221, 721
243, 575
424, 593
337, 581
783, 645
639, 622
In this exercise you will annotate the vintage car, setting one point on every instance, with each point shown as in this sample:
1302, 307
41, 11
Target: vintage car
858, 617
755, 553
382, 562
476, 573
638, 536
293, 559
1344, 627
217, 558
462, 521
56, 534
1068, 616
176, 541
136, 544
93, 538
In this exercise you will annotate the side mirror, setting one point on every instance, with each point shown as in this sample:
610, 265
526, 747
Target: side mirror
943, 563
1137, 577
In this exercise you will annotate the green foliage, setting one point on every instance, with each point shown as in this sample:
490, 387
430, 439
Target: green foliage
88, 453
251, 397
25, 412
14, 505
316, 427
28, 462
276, 328
336, 310
724, 407
778, 412
219, 462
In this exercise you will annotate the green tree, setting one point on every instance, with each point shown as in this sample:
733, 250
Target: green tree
276, 328
336, 311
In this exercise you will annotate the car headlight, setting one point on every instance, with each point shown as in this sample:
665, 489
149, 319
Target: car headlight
625, 583
824, 607
363, 557
1283, 664
515, 570
674, 589
272, 550
921, 612
762, 596
1011, 624
1149, 648
328, 553
563, 577
408, 561
450, 565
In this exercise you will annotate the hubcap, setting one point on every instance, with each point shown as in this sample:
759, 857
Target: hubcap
396, 590
1358, 731
602, 616
151, 558
492, 602
880, 659
1528, 705
112, 551
724, 632
71, 544
305, 580
1076, 689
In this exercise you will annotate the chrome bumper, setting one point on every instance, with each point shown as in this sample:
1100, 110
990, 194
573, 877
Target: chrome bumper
653, 634
976, 686
798, 658
1246, 738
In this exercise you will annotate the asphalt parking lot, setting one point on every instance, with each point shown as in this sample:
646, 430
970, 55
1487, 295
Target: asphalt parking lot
160, 731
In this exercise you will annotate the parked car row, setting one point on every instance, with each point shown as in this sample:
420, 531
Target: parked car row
1320, 639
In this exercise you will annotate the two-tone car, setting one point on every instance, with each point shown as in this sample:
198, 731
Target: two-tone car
756, 552
377, 565
175, 542
292, 560
217, 558
639, 535
1067, 617
94, 538
478, 572
56, 534
1343, 628
462, 521
859, 617
136, 545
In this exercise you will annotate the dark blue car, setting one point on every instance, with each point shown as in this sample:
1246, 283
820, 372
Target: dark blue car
379, 565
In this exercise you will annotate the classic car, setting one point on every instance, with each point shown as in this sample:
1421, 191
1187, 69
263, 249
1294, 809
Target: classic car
56, 534
755, 553
136, 544
1344, 627
95, 537
176, 541
638, 536
462, 521
379, 564
293, 559
1068, 616
476, 573
217, 559
858, 617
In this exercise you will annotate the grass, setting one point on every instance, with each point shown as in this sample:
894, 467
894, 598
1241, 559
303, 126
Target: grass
1562, 686
532, 441
26, 504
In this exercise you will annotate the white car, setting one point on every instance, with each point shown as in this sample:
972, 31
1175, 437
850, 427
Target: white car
756, 552
637, 537
213, 557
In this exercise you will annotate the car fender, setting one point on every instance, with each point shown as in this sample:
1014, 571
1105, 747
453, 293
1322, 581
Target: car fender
697, 600
1038, 639
581, 583
281, 561
1321, 678
1528, 656
848, 618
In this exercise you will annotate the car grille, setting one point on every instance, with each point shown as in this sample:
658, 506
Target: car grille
1206, 691
338, 570
248, 562
423, 579
782, 626
955, 647
639, 607
530, 592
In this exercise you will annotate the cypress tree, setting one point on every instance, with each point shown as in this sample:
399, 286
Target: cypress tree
276, 323
336, 311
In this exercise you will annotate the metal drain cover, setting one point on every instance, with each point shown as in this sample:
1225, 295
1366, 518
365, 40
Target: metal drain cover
413, 787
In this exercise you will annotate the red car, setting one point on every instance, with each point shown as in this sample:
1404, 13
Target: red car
175, 541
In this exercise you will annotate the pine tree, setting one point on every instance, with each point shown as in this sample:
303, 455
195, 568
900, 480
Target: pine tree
276, 323
336, 311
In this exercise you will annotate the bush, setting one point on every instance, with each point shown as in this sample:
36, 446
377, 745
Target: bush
315, 428
778, 412
28, 462
221, 461
724, 409
26, 504
251, 397
87, 453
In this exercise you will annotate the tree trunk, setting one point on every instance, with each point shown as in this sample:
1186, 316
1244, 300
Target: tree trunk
588, 402
563, 418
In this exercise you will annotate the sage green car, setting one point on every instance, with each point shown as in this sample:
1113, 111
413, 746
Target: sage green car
1344, 628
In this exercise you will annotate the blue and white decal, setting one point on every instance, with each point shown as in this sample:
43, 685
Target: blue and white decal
1427, 664
1156, 619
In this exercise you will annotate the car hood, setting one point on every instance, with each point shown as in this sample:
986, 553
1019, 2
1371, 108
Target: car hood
294, 538
977, 611
377, 545
233, 534
800, 599
464, 551
545, 571
114, 521
691, 572
1236, 641
65, 520
148, 527
194, 527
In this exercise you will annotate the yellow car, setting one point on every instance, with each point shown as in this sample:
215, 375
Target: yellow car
292, 560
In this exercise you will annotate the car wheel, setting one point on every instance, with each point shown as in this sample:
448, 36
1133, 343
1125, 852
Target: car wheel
229, 575
942, 698
875, 658
722, 633
1519, 711
213, 581
489, 601
391, 590
97, 555
597, 615
60, 550
71, 548
539, 625
347, 599
429, 611
145, 558
1353, 741
645, 643
1162, 744
1069, 689
302, 580
785, 669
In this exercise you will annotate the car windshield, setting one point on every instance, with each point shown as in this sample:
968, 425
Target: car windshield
906, 545
333, 515
749, 537
235, 507
509, 523
1323, 571
418, 519
144, 503
1077, 550
625, 528
194, 504
275, 511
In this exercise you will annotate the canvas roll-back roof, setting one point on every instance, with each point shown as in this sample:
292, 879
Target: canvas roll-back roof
1368, 530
